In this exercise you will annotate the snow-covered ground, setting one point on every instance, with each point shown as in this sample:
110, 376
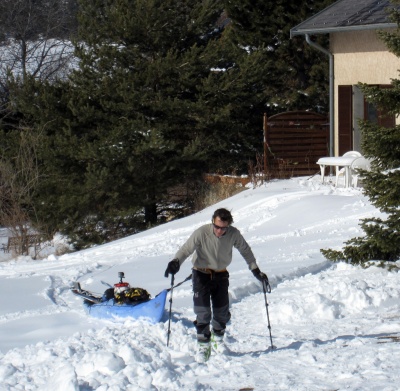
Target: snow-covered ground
335, 326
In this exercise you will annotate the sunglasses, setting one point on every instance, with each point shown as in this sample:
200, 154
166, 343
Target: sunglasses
220, 228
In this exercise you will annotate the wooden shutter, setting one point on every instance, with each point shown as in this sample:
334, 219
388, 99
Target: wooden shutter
345, 118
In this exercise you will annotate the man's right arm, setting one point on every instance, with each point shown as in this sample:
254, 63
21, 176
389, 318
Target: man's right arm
187, 248
184, 252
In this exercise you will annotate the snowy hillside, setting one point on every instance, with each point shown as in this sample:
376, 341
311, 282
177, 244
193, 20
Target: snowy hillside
335, 326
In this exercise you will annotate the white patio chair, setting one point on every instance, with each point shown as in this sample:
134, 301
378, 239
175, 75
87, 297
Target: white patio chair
352, 153
361, 163
340, 172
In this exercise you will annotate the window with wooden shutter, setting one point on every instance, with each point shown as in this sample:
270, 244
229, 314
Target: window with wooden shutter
379, 116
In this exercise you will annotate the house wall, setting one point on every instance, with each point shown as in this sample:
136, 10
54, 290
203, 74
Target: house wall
360, 56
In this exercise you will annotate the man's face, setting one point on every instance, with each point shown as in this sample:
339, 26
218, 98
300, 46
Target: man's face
220, 227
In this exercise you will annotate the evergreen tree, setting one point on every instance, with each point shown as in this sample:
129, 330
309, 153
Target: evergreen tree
232, 100
382, 184
297, 75
124, 128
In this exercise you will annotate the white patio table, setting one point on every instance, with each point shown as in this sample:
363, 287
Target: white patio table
338, 161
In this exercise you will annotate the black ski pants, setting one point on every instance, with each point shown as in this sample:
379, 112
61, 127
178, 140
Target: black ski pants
211, 302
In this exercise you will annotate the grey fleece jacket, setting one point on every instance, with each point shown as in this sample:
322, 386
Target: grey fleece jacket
215, 253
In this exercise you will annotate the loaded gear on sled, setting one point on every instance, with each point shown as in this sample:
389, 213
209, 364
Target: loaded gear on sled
125, 294
122, 301
121, 293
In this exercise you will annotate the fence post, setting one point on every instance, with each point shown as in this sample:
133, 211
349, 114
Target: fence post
265, 144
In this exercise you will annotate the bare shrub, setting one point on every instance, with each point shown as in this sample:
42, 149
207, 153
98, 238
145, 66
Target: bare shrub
35, 38
210, 193
258, 174
19, 178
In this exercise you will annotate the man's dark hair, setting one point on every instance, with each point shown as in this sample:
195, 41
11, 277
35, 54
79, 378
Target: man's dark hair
224, 215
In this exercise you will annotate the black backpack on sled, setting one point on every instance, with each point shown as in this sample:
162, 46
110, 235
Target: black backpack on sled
123, 293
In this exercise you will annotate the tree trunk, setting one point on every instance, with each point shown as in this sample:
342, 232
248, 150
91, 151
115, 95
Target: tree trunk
150, 214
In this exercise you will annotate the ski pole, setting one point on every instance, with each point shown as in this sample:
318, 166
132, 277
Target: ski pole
267, 288
170, 307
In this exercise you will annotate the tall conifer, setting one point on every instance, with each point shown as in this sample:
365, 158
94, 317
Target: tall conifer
123, 129
297, 75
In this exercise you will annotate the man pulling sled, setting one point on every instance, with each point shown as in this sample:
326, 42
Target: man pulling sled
212, 246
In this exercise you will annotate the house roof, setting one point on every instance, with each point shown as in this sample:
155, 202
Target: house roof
347, 15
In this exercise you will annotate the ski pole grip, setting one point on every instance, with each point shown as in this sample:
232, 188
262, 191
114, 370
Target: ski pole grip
266, 286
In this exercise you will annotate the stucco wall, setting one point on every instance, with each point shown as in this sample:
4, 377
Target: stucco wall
360, 56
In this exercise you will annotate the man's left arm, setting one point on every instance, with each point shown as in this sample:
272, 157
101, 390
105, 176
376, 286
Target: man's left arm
247, 253
245, 250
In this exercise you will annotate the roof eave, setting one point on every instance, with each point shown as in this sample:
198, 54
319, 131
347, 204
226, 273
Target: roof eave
328, 30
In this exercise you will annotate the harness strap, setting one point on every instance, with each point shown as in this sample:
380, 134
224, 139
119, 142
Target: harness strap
211, 272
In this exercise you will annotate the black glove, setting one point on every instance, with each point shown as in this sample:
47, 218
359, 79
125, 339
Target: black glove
172, 268
260, 275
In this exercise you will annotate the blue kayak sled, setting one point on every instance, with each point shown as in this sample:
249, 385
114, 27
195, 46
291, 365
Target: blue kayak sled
152, 310
104, 307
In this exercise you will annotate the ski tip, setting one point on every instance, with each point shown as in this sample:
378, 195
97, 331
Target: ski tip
76, 286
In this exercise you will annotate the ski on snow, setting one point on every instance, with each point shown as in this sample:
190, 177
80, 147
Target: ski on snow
77, 290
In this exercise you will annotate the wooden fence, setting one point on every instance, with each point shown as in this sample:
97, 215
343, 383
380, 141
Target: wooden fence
293, 142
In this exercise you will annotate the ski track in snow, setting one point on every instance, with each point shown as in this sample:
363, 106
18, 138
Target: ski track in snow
323, 316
